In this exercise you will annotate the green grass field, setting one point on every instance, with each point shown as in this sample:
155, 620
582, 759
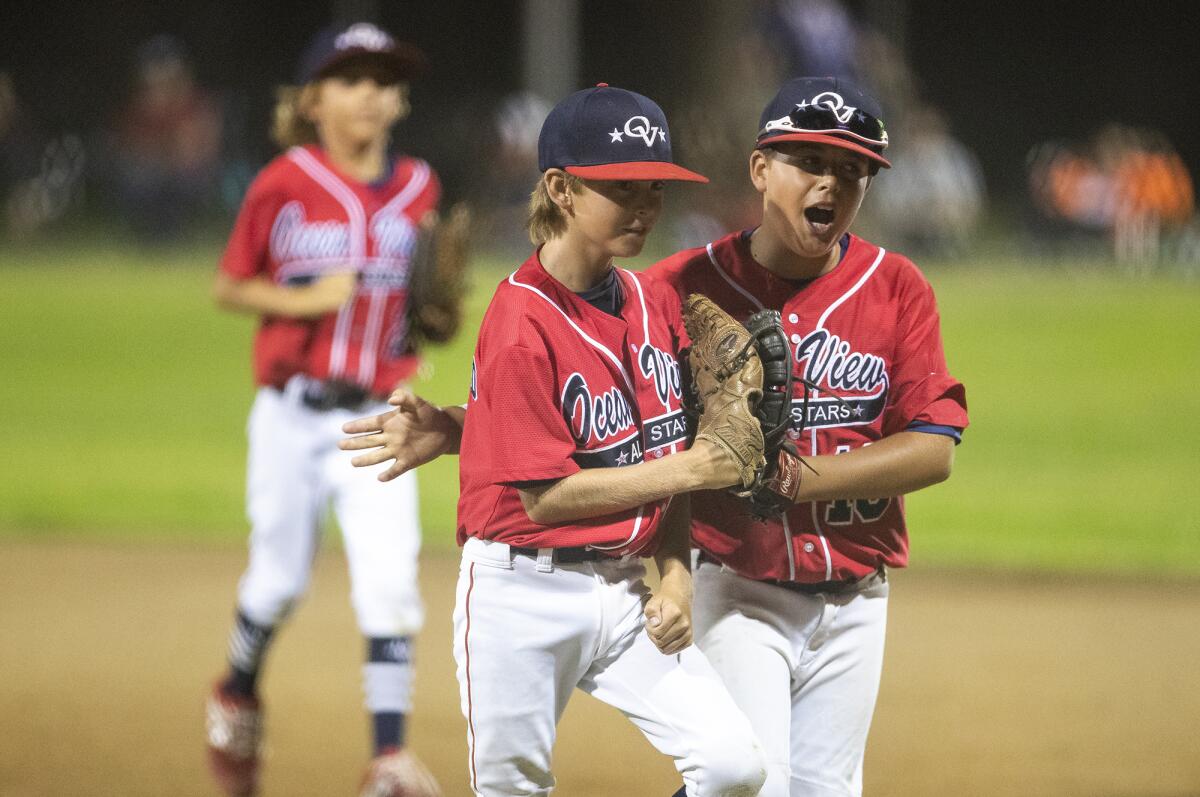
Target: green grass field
125, 396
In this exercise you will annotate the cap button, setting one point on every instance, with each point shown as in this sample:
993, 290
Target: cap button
601, 85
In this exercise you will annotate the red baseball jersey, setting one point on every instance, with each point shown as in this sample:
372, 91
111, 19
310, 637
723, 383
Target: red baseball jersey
302, 219
867, 332
558, 385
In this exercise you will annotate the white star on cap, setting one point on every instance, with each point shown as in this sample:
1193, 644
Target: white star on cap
616, 136
623, 459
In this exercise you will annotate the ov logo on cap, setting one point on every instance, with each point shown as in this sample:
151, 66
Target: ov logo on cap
834, 102
639, 127
580, 132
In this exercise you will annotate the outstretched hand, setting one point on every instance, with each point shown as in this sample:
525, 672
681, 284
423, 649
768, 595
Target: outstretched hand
414, 433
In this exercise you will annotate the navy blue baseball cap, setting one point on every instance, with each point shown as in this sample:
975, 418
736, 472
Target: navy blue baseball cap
335, 47
825, 110
606, 133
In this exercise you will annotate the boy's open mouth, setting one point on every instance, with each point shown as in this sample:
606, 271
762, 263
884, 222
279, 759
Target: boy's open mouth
818, 215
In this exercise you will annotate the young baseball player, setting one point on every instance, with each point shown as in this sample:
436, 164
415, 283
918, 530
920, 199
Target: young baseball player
321, 252
574, 442
792, 611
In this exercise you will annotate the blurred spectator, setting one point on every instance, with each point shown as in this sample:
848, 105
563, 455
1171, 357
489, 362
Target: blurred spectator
167, 144
816, 37
931, 201
510, 170
40, 176
1127, 185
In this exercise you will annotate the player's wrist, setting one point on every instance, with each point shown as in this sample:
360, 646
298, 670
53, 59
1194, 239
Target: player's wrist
676, 580
710, 466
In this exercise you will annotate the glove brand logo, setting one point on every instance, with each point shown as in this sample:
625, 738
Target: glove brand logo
639, 127
826, 357
589, 417
293, 237
663, 369
363, 36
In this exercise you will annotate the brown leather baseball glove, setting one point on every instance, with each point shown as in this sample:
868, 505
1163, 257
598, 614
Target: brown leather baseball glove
727, 385
437, 281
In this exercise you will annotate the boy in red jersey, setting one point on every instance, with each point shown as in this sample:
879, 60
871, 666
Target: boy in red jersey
322, 252
575, 441
792, 611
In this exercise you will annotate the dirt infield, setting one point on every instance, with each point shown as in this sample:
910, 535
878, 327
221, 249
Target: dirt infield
991, 686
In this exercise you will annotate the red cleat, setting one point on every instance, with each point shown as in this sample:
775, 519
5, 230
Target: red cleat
234, 731
399, 774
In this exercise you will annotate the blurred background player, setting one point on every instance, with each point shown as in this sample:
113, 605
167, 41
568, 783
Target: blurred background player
576, 443
323, 251
792, 610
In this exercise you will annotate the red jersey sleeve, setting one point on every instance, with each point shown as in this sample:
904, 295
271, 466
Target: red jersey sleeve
922, 388
246, 253
529, 438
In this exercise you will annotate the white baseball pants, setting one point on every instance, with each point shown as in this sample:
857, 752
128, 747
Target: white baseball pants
804, 668
529, 632
295, 472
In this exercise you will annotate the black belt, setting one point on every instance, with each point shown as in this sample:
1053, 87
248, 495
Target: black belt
566, 556
842, 587
334, 394
827, 587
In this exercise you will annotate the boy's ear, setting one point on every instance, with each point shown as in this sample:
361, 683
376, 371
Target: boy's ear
557, 188
404, 107
760, 164
310, 94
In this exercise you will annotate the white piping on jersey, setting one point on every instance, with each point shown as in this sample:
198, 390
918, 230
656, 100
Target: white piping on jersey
416, 184
853, 290
642, 299
637, 525
817, 526
594, 343
713, 257
370, 343
372, 335
512, 279
789, 542
358, 240
824, 544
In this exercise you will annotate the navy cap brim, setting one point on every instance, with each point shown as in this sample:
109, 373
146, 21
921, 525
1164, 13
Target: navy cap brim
636, 170
404, 61
826, 138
